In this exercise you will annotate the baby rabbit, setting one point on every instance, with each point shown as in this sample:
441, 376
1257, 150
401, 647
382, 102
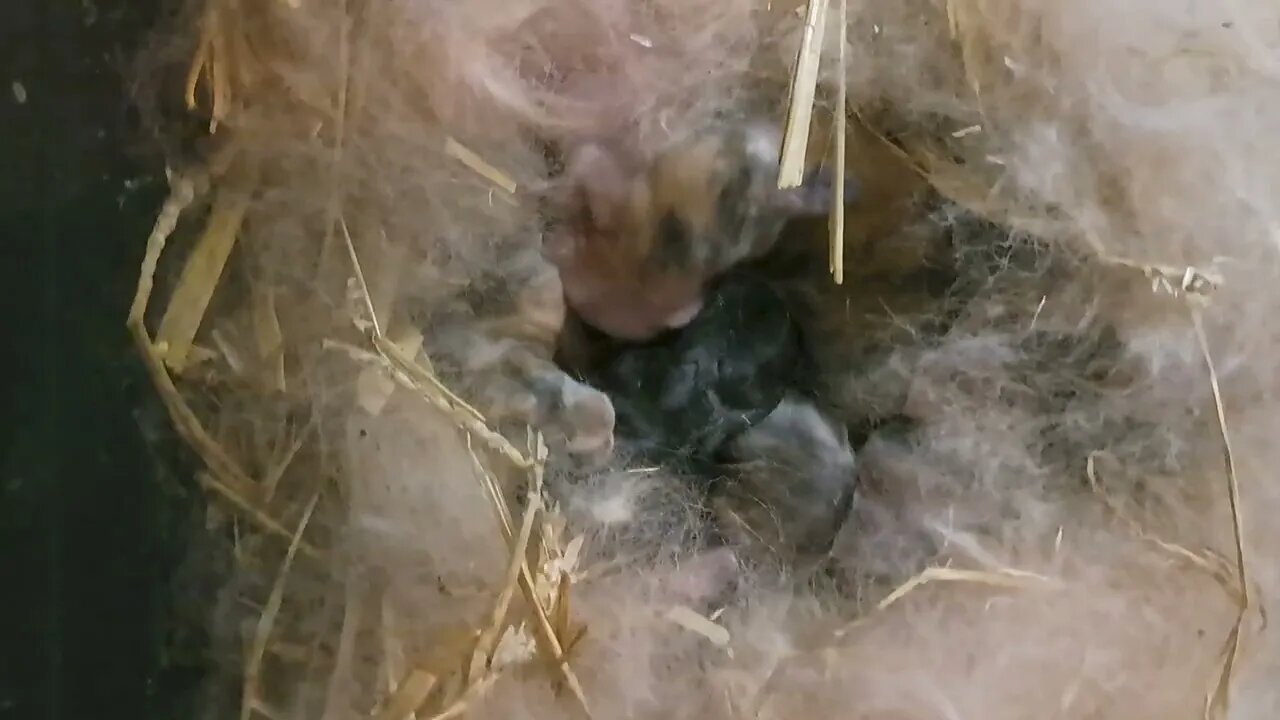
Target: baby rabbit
639, 240
792, 483
727, 397
683, 395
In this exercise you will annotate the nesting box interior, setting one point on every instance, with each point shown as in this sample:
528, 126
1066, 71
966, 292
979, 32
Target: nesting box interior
1034, 315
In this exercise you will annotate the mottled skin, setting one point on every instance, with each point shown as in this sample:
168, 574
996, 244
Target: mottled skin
496, 345
640, 240
636, 243
696, 357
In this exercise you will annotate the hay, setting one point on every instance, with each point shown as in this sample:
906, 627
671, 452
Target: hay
248, 497
565, 607
804, 85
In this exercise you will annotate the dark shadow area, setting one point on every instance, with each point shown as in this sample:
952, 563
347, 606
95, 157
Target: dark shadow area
97, 507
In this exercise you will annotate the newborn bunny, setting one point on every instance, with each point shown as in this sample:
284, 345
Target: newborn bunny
726, 397
792, 483
640, 240
686, 393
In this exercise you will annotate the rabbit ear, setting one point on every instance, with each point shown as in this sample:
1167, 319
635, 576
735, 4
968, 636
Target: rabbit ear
599, 182
814, 197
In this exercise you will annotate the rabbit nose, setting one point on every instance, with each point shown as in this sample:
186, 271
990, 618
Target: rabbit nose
684, 315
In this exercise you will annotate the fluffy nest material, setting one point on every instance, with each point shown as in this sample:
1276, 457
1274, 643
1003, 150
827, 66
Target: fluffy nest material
1075, 526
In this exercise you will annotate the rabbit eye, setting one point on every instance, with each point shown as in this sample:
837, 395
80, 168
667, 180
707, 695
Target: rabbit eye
731, 203
672, 249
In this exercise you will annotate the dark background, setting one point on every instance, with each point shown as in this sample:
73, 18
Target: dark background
97, 509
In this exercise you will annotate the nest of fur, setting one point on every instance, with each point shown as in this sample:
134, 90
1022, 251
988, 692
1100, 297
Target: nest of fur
1056, 535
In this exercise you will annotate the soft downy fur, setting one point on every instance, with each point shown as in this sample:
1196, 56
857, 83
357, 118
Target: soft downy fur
1026, 407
